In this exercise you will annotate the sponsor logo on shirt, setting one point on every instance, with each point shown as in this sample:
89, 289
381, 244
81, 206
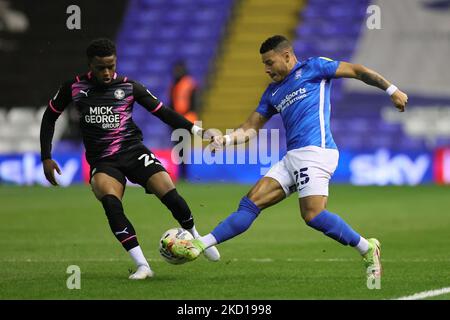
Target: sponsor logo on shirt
291, 98
103, 115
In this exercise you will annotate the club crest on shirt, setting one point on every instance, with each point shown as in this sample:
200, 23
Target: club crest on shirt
119, 94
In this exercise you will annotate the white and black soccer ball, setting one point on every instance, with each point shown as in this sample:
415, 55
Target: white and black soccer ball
174, 233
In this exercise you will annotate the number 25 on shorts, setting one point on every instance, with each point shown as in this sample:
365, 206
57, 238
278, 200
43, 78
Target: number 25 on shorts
301, 177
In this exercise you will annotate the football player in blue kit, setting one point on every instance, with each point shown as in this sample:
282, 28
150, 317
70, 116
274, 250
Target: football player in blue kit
300, 92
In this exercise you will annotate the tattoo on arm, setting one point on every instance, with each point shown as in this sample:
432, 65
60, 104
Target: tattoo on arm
374, 79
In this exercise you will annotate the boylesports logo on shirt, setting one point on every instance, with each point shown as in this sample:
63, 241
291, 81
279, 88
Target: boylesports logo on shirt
103, 115
290, 98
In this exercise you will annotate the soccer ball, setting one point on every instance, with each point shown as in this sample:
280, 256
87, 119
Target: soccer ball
178, 233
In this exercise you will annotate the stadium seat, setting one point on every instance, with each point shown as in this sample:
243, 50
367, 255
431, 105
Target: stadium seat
21, 115
39, 113
3, 113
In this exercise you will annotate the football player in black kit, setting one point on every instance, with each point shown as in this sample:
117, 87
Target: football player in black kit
113, 144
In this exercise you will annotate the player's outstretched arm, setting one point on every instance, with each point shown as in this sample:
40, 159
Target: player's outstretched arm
167, 115
46, 136
55, 107
372, 78
243, 134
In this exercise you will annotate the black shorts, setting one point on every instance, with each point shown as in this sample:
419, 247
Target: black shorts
137, 164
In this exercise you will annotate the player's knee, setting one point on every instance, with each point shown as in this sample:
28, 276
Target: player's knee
173, 201
309, 213
112, 205
106, 190
311, 206
103, 185
262, 194
254, 196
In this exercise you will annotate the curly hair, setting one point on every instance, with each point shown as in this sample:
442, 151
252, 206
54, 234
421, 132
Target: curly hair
102, 47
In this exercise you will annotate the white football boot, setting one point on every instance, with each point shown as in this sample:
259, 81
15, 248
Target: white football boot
142, 273
212, 254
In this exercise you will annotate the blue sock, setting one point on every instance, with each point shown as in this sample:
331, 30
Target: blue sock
335, 227
237, 222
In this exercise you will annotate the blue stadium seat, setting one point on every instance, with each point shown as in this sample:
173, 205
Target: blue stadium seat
156, 33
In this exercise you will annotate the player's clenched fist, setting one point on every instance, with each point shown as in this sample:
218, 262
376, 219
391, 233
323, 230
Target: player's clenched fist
210, 133
217, 142
400, 99
49, 170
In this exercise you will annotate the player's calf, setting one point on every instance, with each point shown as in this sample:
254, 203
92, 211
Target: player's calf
120, 226
124, 232
237, 222
179, 208
336, 228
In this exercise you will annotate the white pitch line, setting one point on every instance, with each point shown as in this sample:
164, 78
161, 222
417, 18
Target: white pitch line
262, 260
251, 259
426, 294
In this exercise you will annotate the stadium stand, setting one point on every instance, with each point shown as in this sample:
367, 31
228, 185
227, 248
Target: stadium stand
40, 54
219, 40
412, 55
192, 32
239, 79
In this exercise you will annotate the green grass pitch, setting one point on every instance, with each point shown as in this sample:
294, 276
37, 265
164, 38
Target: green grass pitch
44, 230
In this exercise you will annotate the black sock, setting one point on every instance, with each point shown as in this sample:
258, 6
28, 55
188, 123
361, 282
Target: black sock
120, 226
179, 208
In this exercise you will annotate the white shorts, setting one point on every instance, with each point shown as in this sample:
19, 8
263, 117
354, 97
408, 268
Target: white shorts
307, 170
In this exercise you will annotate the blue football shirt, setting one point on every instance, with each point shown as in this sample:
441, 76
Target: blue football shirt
303, 100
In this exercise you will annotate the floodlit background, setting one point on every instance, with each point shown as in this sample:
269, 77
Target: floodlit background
407, 41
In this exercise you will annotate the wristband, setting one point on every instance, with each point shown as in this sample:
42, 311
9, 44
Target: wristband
390, 91
196, 130
227, 140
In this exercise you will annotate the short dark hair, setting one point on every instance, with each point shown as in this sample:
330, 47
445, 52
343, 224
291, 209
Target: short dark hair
274, 43
102, 47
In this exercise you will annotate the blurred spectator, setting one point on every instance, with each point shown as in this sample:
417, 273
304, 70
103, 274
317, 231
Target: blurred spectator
184, 92
12, 20
184, 100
